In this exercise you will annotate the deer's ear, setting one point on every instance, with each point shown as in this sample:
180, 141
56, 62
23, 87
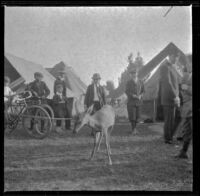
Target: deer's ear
90, 109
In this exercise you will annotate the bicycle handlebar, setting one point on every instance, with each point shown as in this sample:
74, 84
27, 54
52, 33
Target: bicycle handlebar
22, 99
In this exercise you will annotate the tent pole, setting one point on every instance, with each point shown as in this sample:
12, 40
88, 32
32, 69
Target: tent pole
154, 110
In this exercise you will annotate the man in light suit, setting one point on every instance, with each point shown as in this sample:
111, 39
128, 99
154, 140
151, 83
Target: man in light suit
95, 94
169, 96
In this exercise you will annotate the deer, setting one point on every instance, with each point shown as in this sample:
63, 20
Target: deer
102, 121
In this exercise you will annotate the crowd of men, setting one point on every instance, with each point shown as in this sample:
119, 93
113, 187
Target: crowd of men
95, 94
174, 96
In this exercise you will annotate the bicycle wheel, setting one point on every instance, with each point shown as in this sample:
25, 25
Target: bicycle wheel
36, 121
50, 112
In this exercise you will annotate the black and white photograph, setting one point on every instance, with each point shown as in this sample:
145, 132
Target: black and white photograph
98, 98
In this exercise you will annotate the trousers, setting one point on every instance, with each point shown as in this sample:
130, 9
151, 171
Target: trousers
169, 122
133, 114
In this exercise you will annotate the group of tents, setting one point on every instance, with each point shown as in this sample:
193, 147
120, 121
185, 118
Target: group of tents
150, 74
21, 72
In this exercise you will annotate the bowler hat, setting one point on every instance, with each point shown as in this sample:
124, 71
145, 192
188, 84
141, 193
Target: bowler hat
39, 74
96, 76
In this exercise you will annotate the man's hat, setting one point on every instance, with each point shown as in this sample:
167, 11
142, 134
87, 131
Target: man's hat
133, 70
39, 74
96, 76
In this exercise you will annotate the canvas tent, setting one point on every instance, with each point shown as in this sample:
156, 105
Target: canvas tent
150, 73
21, 72
73, 82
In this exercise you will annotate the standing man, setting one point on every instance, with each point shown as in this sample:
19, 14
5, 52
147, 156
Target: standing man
134, 92
169, 96
39, 87
95, 94
60, 81
186, 115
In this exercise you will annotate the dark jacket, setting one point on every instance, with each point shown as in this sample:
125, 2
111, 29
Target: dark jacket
89, 97
39, 87
186, 109
169, 84
60, 106
63, 83
136, 89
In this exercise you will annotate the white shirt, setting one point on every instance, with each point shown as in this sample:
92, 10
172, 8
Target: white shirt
7, 92
96, 97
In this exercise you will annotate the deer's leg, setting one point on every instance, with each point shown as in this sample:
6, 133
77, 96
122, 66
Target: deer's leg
107, 147
100, 139
96, 139
109, 134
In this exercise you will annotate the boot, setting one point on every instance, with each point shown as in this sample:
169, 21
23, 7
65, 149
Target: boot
133, 125
182, 155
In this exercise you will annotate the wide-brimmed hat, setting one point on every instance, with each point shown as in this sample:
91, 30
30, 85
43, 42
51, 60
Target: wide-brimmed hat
96, 76
39, 74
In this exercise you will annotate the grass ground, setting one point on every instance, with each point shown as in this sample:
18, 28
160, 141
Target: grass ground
60, 162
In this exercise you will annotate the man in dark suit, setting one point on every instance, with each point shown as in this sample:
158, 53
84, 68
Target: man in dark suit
169, 95
39, 87
95, 94
134, 92
186, 115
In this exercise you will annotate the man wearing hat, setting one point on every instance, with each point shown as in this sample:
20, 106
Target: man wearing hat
95, 94
39, 87
60, 80
134, 91
60, 108
169, 95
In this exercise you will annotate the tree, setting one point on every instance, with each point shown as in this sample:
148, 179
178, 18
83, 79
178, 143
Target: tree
138, 61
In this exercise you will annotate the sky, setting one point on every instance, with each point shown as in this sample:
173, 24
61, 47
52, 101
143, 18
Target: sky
95, 39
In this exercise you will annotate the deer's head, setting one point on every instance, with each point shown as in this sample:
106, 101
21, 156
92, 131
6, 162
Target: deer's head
82, 119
